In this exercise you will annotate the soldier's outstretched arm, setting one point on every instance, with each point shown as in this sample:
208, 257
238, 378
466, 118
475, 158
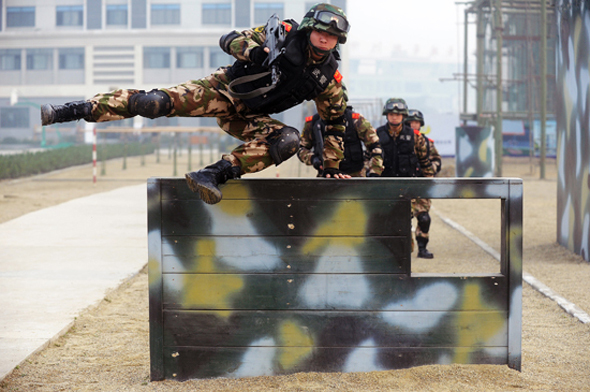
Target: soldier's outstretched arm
305, 144
422, 153
368, 135
331, 105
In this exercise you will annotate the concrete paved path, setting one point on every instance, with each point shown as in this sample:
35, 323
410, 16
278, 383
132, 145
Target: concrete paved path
56, 262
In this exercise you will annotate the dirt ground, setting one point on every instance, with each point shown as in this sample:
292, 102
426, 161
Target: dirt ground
108, 347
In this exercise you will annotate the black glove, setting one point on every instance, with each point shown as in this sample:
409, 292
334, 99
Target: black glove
316, 162
373, 175
332, 172
258, 56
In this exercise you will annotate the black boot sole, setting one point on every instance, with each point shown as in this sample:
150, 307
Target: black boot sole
426, 256
209, 194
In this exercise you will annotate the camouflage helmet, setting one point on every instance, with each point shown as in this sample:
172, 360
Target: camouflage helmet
415, 115
329, 18
395, 105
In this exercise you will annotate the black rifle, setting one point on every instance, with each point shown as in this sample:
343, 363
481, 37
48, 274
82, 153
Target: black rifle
275, 41
318, 145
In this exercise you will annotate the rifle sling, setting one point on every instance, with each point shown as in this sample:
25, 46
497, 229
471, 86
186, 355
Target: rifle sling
247, 79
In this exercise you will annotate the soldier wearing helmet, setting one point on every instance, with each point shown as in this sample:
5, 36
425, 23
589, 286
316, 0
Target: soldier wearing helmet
404, 152
307, 69
421, 207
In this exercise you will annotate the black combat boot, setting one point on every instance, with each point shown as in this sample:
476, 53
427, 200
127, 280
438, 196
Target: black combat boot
207, 180
71, 111
422, 251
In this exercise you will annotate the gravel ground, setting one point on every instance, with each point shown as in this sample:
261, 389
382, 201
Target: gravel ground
108, 347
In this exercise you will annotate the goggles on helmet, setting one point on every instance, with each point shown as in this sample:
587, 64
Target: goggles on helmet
330, 18
395, 105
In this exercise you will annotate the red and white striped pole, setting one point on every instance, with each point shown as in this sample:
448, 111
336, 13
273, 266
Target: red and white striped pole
94, 155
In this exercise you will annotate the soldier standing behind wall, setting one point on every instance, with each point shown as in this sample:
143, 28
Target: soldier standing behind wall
307, 69
421, 207
358, 132
405, 153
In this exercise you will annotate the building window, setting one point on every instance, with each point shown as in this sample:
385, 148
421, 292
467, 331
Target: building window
20, 16
71, 58
217, 13
218, 58
14, 117
39, 59
189, 57
10, 59
117, 15
70, 15
165, 14
262, 11
156, 57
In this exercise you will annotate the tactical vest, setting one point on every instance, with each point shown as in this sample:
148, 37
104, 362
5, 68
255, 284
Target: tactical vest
399, 155
298, 81
353, 149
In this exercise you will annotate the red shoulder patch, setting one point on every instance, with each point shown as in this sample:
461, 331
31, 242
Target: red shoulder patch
338, 76
287, 26
431, 141
356, 116
308, 118
417, 132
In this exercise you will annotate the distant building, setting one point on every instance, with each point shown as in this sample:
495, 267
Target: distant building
55, 51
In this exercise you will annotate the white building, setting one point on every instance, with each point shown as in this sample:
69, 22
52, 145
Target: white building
55, 51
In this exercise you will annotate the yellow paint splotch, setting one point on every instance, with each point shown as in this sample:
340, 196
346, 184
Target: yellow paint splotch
468, 321
297, 344
332, 231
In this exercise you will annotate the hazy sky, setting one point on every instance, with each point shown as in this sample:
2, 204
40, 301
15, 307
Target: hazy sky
421, 28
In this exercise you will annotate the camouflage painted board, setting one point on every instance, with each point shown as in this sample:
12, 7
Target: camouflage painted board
291, 275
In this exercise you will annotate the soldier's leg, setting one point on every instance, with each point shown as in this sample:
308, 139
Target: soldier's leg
198, 98
423, 227
267, 142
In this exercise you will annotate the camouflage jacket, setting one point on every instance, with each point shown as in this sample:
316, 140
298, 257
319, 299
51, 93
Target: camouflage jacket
330, 104
366, 134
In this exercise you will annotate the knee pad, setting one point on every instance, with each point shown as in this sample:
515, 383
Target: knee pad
284, 143
153, 104
424, 221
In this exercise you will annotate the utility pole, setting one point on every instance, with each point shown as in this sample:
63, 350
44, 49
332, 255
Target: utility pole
498, 131
543, 85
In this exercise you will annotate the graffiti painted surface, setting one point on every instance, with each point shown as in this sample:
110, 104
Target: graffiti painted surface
474, 155
286, 276
573, 126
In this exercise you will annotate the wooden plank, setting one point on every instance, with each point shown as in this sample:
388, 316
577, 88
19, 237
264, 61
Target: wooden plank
286, 254
333, 291
280, 218
334, 328
186, 363
350, 189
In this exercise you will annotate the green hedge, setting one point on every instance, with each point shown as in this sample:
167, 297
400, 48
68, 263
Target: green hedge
27, 164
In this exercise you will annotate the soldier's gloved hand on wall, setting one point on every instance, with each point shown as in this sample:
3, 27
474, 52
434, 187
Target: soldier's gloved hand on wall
334, 173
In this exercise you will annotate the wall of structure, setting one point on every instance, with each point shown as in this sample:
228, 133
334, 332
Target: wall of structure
573, 126
313, 275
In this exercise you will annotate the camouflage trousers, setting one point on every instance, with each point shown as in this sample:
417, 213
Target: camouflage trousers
419, 206
207, 97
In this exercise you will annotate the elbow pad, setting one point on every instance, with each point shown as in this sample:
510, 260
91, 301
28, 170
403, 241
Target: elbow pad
226, 40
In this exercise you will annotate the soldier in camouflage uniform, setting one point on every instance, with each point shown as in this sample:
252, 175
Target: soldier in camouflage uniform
421, 207
308, 70
358, 132
405, 153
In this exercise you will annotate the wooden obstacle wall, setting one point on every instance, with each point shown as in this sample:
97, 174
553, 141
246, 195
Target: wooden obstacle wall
300, 275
